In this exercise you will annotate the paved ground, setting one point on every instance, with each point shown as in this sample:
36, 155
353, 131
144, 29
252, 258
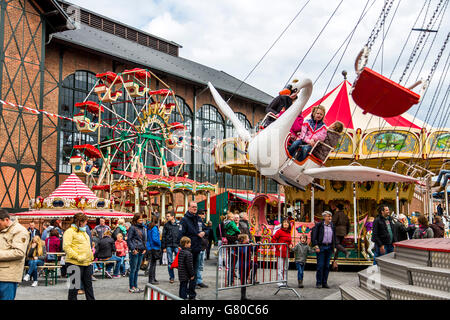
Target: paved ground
117, 289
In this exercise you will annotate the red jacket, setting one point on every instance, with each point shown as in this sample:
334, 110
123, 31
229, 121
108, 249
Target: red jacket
121, 248
282, 236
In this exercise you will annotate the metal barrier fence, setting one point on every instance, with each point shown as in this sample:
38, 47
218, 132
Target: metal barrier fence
153, 292
246, 265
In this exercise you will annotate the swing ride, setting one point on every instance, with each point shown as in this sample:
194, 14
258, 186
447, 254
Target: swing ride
383, 154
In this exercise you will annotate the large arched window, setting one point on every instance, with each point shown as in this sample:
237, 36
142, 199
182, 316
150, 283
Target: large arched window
209, 128
187, 152
238, 181
231, 130
75, 88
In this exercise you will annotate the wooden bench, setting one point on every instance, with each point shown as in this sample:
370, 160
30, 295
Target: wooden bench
51, 272
103, 264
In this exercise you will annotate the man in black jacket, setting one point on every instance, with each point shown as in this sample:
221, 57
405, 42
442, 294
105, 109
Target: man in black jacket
190, 226
383, 233
323, 240
169, 241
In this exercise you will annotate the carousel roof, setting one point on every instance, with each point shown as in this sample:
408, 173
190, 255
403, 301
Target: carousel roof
54, 214
340, 106
73, 188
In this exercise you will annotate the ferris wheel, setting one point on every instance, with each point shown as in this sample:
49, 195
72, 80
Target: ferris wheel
134, 127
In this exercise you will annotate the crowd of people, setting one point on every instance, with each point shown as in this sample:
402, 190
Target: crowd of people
142, 243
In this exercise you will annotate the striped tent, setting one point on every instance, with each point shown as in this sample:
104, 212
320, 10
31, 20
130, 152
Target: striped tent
73, 188
340, 106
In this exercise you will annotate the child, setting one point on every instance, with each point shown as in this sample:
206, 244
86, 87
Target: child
186, 270
332, 139
301, 251
245, 258
121, 252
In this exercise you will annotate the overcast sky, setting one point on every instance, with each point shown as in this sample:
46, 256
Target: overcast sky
233, 35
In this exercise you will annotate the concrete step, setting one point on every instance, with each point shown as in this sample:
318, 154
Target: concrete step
373, 281
351, 291
395, 268
408, 292
430, 277
420, 257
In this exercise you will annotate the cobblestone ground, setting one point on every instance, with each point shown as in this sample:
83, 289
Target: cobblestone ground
117, 289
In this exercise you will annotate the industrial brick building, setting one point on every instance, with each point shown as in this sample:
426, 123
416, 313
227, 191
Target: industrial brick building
49, 64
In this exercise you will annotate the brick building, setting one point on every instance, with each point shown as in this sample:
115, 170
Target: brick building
49, 62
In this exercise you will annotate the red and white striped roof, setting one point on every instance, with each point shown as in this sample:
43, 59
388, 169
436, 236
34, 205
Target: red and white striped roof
73, 188
340, 106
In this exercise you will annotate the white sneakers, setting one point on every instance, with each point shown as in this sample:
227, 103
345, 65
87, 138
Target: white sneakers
26, 277
34, 284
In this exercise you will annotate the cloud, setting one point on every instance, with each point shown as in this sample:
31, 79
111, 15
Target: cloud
234, 35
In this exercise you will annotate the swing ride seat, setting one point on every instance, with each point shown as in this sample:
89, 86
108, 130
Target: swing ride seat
161, 92
138, 73
90, 106
381, 96
84, 124
169, 107
111, 96
171, 164
134, 89
89, 150
108, 77
100, 88
79, 166
104, 187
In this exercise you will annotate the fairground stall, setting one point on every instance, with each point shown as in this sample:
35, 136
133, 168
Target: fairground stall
71, 197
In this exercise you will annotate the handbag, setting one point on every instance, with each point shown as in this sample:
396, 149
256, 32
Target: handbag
224, 239
175, 261
334, 266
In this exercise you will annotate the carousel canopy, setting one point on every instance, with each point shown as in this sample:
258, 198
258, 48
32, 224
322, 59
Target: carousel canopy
73, 188
59, 214
339, 106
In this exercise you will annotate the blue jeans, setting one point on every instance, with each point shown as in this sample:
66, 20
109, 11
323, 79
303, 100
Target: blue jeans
300, 269
8, 290
117, 266
323, 264
441, 174
32, 271
135, 264
294, 146
388, 248
201, 260
122, 265
171, 251
305, 149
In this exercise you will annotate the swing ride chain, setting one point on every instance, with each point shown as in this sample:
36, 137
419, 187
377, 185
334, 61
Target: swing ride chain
417, 46
376, 29
433, 68
384, 13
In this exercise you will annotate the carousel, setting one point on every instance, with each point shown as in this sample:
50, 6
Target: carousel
400, 144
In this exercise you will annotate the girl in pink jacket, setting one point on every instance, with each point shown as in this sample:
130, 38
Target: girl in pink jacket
313, 130
121, 252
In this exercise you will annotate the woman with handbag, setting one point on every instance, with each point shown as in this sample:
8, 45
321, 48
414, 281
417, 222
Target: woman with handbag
153, 249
